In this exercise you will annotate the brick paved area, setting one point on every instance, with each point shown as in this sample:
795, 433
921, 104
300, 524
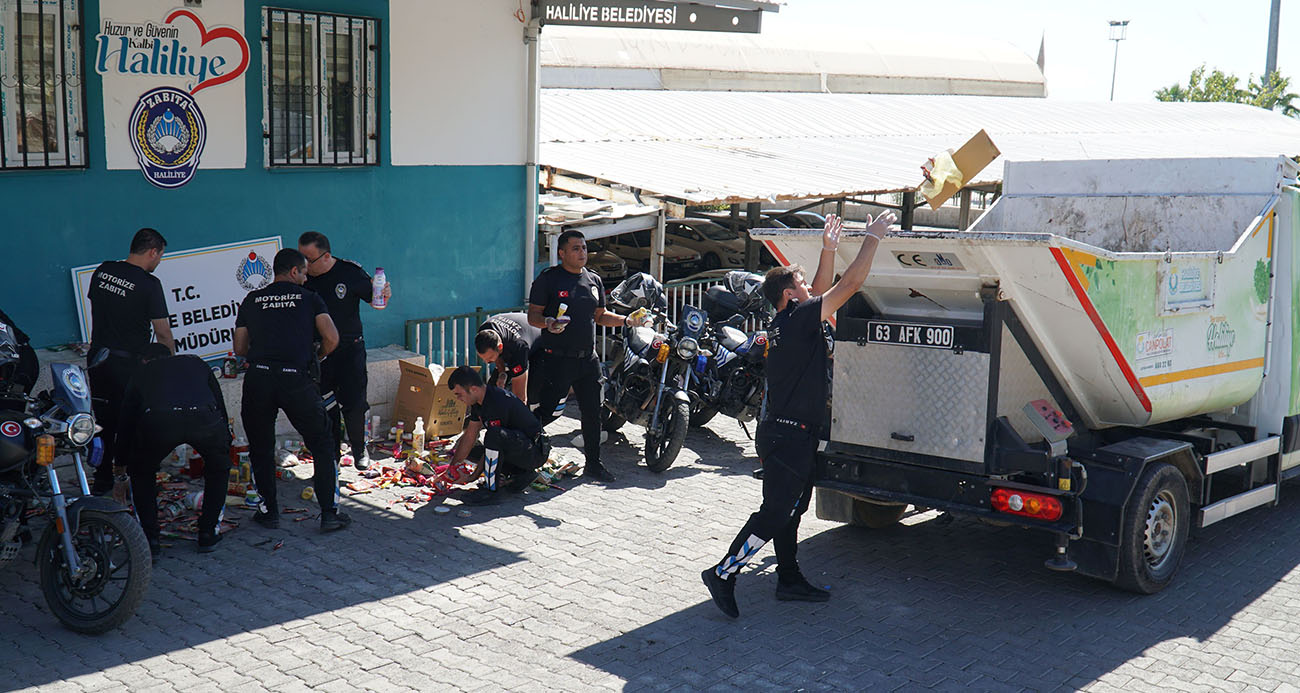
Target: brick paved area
598, 588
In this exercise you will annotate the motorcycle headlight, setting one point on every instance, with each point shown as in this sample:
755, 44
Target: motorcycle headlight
687, 348
81, 428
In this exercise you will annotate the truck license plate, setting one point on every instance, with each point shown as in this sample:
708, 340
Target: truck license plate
910, 334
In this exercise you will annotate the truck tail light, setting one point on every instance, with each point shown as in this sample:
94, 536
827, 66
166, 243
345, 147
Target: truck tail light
1036, 505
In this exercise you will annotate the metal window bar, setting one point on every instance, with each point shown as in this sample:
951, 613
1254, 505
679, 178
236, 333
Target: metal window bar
56, 72
318, 71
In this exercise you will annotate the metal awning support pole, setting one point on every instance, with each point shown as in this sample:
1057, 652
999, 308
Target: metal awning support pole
963, 216
532, 32
909, 210
657, 246
752, 213
839, 208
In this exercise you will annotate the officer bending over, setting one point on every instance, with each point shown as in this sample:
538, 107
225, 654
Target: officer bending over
173, 400
274, 330
513, 443
505, 342
787, 438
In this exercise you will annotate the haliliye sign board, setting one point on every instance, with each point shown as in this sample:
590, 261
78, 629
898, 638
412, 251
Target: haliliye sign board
650, 14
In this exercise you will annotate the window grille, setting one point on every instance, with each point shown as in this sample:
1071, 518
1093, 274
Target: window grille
42, 92
321, 77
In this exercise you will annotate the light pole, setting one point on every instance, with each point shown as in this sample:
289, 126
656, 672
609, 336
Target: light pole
1118, 32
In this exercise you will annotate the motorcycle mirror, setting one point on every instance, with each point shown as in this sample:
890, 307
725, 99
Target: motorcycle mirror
101, 355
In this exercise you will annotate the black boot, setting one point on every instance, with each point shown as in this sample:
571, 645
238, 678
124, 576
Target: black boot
268, 520
796, 588
333, 520
722, 590
597, 471
208, 541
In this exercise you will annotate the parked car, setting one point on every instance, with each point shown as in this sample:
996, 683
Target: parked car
634, 248
765, 258
796, 220
718, 246
611, 268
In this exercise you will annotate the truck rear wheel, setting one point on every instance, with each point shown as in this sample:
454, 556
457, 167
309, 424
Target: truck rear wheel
1156, 522
877, 515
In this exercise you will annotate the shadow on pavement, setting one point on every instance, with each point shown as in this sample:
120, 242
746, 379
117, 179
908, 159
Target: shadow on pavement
245, 585
949, 604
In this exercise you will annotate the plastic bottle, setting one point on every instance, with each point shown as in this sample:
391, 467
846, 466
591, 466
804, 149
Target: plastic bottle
229, 366
417, 437
377, 300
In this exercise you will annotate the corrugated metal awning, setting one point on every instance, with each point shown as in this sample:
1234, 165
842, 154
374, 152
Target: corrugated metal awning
729, 147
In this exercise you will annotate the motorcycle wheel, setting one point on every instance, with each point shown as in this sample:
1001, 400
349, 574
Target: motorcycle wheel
113, 549
661, 450
702, 414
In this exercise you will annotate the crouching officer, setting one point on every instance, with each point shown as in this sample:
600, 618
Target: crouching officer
505, 342
787, 439
565, 351
274, 330
343, 285
173, 400
513, 445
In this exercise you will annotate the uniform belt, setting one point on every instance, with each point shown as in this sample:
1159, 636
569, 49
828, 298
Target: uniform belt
277, 369
570, 353
791, 422
120, 353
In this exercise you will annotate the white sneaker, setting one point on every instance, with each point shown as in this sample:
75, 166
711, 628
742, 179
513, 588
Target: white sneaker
577, 440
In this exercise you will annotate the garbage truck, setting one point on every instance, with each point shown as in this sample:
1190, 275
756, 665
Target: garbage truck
1108, 354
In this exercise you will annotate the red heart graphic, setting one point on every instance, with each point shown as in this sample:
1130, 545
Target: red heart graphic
206, 36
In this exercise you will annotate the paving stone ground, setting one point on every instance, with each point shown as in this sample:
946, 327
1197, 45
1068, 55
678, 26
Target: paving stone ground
597, 588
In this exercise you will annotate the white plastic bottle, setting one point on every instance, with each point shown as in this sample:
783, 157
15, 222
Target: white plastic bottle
377, 300
417, 437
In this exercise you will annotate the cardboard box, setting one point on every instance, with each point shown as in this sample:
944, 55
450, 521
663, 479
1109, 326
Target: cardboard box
971, 158
422, 392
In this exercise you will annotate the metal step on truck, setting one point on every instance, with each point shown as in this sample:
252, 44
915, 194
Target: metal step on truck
1109, 354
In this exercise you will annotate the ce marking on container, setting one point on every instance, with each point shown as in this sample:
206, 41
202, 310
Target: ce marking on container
925, 260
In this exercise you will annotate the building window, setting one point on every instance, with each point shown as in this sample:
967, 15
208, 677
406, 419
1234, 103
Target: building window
41, 91
321, 78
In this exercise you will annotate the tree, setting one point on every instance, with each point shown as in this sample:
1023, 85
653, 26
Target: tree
1270, 94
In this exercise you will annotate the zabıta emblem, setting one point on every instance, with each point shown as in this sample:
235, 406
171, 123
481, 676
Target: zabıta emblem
253, 272
167, 134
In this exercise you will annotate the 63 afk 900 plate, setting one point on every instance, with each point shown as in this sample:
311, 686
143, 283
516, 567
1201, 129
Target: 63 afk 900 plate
910, 334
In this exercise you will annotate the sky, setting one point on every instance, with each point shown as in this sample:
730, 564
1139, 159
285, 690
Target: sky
1166, 40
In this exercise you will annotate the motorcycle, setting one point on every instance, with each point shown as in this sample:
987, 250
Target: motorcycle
649, 381
733, 382
93, 556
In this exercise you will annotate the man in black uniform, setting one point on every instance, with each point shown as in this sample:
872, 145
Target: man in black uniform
565, 351
787, 439
343, 285
173, 400
513, 444
126, 300
275, 329
505, 341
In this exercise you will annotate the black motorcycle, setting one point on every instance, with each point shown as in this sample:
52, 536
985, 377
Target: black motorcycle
649, 380
733, 382
94, 559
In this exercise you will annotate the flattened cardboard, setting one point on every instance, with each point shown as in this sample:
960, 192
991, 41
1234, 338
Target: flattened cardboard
422, 392
971, 158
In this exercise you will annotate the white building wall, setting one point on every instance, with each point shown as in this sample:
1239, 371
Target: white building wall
459, 75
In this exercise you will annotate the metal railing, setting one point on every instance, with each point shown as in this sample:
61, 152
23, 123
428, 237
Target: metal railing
449, 340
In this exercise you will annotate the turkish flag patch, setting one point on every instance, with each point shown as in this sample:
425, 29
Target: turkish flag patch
519, 369
564, 294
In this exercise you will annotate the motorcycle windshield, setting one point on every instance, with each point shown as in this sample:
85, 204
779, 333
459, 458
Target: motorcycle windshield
71, 389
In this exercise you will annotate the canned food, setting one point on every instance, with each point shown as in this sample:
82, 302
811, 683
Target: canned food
285, 474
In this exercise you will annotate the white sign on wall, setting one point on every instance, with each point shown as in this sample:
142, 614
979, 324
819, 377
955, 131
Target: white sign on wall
141, 45
204, 288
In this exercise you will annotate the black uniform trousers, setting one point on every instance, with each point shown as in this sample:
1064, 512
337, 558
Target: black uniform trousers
267, 391
559, 373
108, 383
159, 434
788, 453
343, 372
